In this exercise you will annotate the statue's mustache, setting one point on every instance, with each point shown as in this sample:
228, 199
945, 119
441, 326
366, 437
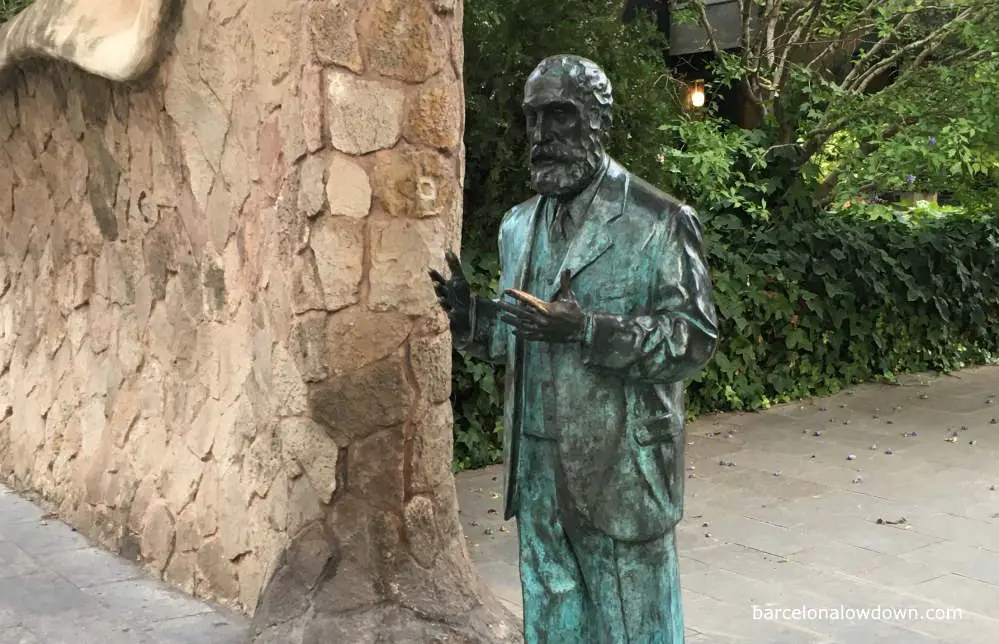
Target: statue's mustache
556, 153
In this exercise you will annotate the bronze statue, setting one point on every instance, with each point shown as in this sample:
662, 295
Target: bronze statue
610, 309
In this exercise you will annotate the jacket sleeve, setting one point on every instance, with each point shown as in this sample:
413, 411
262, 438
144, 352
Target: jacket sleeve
679, 336
487, 338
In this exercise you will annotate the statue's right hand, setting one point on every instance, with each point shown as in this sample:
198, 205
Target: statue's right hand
454, 295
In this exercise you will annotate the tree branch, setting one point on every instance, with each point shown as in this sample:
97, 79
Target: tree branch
860, 83
815, 139
796, 36
746, 10
878, 46
849, 27
770, 18
702, 10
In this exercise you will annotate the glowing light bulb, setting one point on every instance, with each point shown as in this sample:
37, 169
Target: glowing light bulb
697, 96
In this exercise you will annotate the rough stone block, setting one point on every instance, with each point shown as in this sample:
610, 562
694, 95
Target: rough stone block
311, 194
348, 189
312, 107
431, 449
363, 115
401, 250
356, 338
157, 536
434, 114
359, 403
431, 361
76, 283
288, 388
333, 26
421, 531
217, 571
308, 346
405, 40
338, 245
308, 444
416, 183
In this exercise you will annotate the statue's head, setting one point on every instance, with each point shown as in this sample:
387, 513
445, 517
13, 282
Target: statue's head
567, 102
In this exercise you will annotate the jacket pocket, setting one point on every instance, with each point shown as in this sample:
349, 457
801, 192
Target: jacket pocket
655, 430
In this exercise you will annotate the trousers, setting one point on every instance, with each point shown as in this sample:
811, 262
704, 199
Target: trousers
579, 585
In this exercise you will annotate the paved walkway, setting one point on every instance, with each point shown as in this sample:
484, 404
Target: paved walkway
783, 511
56, 589
883, 496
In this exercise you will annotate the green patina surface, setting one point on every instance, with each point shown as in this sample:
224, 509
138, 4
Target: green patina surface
619, 313
594, 454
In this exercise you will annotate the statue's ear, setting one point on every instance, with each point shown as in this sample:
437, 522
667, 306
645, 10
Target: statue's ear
596, 121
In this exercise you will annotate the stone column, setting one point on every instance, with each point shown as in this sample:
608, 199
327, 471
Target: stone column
389, 561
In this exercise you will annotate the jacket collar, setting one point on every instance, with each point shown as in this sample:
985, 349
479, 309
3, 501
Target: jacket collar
604, 201
594, 236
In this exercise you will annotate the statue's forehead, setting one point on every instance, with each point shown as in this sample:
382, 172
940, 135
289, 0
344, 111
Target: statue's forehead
553, 85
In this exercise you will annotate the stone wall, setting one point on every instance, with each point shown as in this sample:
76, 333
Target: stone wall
220, 350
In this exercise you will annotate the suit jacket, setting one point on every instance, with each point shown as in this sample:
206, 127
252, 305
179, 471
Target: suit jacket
638, 270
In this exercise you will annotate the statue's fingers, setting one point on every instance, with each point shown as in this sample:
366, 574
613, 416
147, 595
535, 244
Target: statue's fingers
520, 312
565, 281
454, 264
528, 299
436, 277
514, 309
520, 324
515, 321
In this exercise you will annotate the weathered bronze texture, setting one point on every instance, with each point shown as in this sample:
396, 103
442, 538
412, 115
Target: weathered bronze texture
608, 310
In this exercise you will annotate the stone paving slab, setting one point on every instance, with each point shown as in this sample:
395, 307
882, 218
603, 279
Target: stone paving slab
55, 588
793, 521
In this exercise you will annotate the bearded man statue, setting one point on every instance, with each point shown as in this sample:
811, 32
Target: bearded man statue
608, 310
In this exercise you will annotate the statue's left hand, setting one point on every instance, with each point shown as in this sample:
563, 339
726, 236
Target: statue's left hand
560, 321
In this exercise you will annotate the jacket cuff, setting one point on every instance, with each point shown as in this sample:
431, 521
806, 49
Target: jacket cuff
601, 328
463, 340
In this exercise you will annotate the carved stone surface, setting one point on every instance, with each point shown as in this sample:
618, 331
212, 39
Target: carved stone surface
114, 39
216, 352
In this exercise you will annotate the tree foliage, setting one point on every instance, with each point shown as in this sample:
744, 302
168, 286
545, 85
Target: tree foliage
10, 7
864, 92
856, 99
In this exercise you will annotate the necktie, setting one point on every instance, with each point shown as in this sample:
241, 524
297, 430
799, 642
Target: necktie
559, 219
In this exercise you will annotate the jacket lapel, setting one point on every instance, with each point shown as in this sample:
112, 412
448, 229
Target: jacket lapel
527, 246
513, 416
594, 237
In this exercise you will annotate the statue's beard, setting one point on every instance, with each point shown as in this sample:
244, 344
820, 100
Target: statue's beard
562, 169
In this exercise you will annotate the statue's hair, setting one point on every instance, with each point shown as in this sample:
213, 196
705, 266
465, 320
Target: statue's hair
596, 92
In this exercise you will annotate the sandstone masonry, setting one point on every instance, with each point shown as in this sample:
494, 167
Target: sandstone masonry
220, 353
